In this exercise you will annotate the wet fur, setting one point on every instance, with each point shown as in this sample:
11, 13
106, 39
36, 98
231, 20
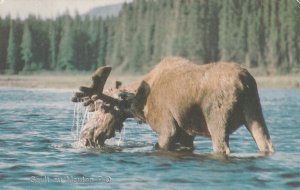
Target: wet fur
180, 100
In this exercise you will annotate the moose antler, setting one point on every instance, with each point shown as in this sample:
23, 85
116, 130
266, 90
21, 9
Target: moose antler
90, 94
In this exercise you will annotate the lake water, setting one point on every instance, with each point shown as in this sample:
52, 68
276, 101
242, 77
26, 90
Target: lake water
37, 152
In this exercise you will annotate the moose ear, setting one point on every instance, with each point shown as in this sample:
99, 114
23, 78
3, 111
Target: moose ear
142, 91
118, 84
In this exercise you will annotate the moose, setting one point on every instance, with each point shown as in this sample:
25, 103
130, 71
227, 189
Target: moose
178, 100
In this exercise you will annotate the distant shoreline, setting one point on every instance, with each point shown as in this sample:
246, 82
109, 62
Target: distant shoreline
58, 81
73, 81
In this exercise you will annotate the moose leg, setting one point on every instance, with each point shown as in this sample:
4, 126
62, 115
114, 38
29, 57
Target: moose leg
186, 140
220, 141
219, 136
166, 140
256, 125
260, 135
167, 135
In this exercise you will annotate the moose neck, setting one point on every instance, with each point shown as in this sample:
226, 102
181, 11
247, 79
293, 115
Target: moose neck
136, 109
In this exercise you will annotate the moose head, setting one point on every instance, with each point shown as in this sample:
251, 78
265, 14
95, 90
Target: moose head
111, 108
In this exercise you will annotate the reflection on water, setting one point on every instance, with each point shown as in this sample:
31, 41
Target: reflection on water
37, 150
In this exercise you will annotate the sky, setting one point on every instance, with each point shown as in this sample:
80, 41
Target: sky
49, 8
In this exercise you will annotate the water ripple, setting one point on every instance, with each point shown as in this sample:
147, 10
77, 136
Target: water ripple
35, 140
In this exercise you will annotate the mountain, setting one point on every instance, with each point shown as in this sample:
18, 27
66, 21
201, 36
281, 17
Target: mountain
105, 11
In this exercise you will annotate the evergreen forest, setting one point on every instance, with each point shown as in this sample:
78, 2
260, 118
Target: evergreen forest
263, 34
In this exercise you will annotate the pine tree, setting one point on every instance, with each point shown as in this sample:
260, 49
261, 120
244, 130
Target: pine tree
136, 58
40, 42
242, 37
52, 45
65, 54
4, 35
102, 44
26, 52
92, 43
180, 41
196, 32
288, 14
11, 51
110, 39
273, 38
211, 31
296, 52
293, 38
225, 32
80, 47
149, 33
137, 55
252, 56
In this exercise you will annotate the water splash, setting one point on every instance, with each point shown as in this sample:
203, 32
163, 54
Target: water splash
81, 116
122, 133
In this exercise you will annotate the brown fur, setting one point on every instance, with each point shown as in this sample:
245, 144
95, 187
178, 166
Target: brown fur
180, 100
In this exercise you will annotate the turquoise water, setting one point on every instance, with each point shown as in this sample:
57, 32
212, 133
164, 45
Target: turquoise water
36, 150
